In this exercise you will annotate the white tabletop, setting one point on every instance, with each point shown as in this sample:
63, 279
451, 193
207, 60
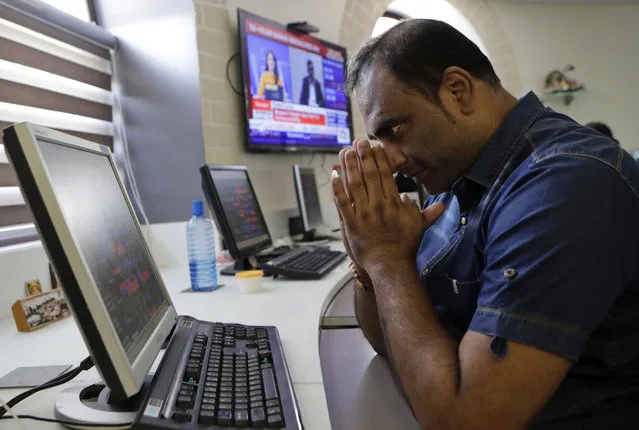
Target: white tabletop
294, 307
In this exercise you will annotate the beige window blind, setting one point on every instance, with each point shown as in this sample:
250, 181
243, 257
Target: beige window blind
52, 78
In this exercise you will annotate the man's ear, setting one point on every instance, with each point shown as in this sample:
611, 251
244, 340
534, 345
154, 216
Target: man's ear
460, 87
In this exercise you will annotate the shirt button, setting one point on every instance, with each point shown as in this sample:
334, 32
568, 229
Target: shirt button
510, 273
464, 221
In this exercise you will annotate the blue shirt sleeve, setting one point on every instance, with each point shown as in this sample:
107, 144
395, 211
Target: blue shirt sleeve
561, 245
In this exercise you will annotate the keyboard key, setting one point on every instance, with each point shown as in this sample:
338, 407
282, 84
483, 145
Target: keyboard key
254, 372
240, 392
270, 388
271, 403
242, 418
257, 398
207, 407
257, 377
227, 374
266, 366
207, 417
182, 415
225, 418
208, 401
256, 405
225, 407
184, 392
241, 385
209, 395
241, 400
255, 383
226, 389
275, 421
258, 418
273, 411
184, 402
210, 389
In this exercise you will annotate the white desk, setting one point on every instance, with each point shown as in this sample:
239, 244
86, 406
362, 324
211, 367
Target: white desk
294, 307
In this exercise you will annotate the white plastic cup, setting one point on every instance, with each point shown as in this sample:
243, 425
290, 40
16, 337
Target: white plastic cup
249, 281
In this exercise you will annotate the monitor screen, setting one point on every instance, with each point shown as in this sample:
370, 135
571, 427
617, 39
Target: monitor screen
237, 211
103, 227
307, 197
293, 87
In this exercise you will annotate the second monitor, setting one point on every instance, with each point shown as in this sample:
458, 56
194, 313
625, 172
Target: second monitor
308, 203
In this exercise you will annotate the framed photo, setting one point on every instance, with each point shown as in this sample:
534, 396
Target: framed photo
33, 288
40, 310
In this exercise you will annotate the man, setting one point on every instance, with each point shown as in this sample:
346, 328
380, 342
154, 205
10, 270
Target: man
311, 90
512, 300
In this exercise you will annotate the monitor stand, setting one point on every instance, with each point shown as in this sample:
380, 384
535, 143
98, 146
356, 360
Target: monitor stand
311, 236
89, 406
241, 264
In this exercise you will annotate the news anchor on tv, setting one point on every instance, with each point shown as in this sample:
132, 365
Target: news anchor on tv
271, 85
311, 89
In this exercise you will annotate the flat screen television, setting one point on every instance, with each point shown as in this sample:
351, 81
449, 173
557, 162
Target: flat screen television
293, 89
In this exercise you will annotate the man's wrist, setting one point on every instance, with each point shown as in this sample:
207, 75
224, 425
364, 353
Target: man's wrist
386, 268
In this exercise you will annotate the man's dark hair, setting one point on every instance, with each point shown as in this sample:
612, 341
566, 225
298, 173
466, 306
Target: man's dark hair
602, 128
309, 63
416, 52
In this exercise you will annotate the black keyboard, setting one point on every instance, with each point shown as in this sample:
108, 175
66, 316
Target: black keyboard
216, 375
307, 262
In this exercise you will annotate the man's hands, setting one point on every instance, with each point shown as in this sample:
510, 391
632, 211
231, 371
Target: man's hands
377, 224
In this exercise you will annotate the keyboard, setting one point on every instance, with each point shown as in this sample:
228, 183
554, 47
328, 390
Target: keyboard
305, 263
216, 375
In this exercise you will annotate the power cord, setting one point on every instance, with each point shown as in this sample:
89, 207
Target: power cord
69, 423
86, 364
228, 74
325, 170
12, 413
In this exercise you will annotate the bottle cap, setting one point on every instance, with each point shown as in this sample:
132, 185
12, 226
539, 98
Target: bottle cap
197, 207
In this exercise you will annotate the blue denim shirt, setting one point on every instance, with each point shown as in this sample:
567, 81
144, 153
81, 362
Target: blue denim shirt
539, 244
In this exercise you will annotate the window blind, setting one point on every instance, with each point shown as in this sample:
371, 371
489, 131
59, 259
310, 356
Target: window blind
50, 76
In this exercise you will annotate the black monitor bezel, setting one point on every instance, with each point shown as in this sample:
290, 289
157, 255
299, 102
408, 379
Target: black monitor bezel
244, 72
220, 217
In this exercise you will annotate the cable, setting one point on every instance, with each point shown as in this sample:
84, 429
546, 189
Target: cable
310, 163
13, 414
69, 423
86, 364
325, 170
121, 132
228, 75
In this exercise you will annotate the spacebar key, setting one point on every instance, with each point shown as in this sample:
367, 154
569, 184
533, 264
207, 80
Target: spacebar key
270, 388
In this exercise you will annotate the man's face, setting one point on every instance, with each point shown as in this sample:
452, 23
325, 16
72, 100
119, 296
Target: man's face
311, 71
431, 145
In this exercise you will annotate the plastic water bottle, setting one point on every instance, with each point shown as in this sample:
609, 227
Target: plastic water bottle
200, 240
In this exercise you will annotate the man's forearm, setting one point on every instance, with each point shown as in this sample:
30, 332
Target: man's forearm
424, 355
368, 318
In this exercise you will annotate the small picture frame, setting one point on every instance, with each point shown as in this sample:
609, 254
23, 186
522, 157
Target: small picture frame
40, 310
33, 288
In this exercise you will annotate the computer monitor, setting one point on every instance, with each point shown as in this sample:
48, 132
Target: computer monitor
94, 242
307, 201
237, 213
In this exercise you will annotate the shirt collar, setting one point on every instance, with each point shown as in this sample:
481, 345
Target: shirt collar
490, 160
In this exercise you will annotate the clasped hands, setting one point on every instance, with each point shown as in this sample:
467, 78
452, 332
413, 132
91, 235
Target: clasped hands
379, 227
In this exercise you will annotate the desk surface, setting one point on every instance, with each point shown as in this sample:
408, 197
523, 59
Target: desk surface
294, 307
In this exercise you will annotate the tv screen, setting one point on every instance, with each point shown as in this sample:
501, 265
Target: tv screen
293, 89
